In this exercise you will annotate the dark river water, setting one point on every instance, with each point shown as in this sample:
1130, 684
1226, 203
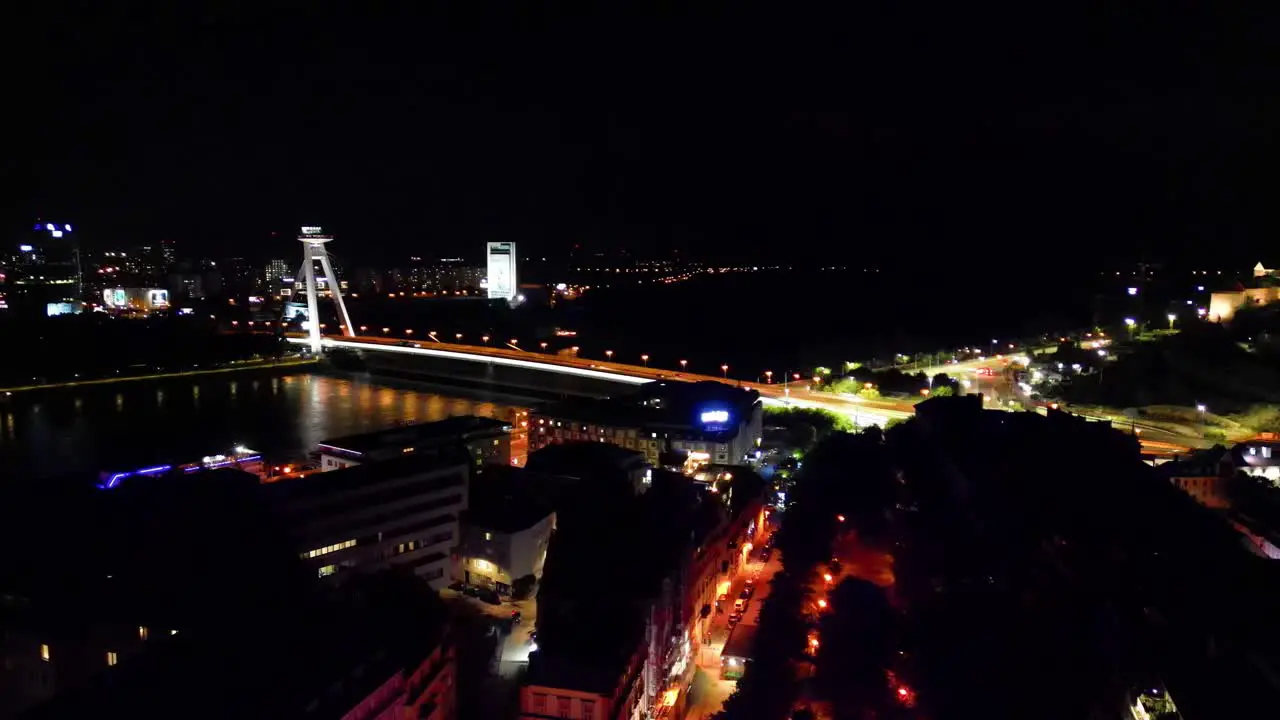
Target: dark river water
131, 425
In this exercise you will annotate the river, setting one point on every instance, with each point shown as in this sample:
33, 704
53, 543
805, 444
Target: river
130, 425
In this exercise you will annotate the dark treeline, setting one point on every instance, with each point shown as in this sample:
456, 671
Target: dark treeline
93, 346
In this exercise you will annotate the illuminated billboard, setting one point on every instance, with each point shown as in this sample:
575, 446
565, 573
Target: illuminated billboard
293, 310
61, 308
714, 419
502, 270
136, 298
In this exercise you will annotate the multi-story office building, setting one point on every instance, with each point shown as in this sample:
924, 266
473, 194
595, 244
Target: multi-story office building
704, 422
400, 512
274, 274
45, 274
486, 440
506, 531
594, 462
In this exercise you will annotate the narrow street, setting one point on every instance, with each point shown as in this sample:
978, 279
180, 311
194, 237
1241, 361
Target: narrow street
709, 689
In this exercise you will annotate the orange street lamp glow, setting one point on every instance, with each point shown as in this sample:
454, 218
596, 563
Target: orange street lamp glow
827, 577
684, 364
822, 604
608, 354
645, 360
839, 518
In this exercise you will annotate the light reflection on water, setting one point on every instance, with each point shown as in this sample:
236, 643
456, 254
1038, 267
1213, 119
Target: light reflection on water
284, 417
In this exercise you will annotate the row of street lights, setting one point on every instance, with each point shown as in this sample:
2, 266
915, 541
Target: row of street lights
644, 357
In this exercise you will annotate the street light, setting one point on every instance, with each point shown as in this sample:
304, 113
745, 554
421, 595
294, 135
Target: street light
645, 360
386, 330
725, 370
1171, 317
768, 375
457, 336
608, 354
484, 339
544, 346
684, 364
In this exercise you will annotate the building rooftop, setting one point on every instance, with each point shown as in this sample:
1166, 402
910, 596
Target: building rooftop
1201, 463
350, 478
506, 501
664, 406
319, 659
458, 427
741, 642
565, 458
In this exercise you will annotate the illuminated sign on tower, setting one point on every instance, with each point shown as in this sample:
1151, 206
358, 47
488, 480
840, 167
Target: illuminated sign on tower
502, 270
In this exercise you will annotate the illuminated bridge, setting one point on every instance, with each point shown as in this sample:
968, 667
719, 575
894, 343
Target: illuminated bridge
511, 367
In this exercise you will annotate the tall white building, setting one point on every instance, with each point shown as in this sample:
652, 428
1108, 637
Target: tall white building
503, 282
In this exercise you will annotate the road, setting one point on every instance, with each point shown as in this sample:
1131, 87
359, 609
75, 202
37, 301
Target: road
709, 690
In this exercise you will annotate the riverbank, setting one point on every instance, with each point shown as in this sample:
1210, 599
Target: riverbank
288, 363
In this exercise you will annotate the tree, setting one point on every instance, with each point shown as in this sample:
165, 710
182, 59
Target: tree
859, 638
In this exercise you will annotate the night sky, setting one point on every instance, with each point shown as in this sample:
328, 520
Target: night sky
877, 135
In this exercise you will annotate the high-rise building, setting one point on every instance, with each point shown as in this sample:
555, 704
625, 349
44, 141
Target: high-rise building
45, 274
276, 270
502, 280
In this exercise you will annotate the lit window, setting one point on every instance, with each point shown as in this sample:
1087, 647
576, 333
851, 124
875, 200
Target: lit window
1253, 451
44, 652
112, 658
1266, 452
142, 632
328, 570
488, 536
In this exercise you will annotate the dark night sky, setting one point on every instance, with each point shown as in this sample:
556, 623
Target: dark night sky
874, 133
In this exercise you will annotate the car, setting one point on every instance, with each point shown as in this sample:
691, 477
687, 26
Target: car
457, 586
985, 371
471, 590
734, 618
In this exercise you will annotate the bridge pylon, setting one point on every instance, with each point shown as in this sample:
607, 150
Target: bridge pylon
313, 242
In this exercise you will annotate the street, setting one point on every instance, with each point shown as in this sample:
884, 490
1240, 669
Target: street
709, 689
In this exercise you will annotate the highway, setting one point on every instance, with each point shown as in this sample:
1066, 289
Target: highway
793, 394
